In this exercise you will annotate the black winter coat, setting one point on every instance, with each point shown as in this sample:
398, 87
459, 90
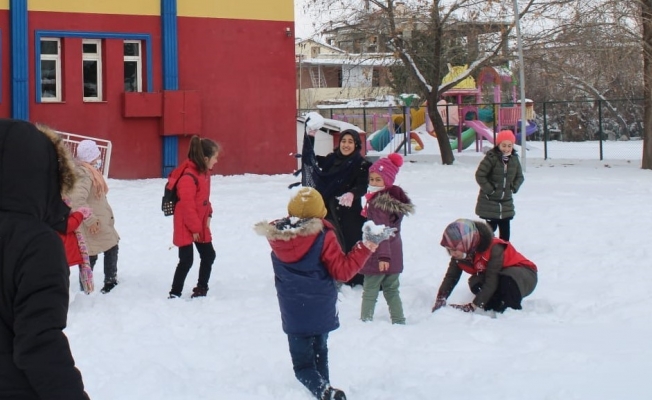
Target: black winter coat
348, 221
498, 182
35, 358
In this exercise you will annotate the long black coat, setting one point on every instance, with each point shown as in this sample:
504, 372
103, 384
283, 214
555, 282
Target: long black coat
35, 358
498, 182
347, 221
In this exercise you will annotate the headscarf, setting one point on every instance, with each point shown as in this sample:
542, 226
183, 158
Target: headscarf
461, 235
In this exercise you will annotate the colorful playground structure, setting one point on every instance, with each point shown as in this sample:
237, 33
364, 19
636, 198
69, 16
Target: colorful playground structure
471, 111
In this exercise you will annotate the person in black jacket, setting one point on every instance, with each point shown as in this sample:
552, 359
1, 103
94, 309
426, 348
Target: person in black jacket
341, 178
35, 358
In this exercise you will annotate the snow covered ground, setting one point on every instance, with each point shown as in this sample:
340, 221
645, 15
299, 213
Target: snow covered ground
583, 334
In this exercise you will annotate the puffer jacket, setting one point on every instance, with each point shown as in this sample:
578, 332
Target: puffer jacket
498, 182
388, 207
83, 195
35, 358
194, 207
307, 258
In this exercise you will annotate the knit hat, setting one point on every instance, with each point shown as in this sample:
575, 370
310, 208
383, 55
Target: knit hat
505, 135
387, 168
461, 235
307, 203
87, 151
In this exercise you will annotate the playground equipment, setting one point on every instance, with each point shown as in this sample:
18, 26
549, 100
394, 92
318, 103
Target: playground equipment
495, 85
71, 141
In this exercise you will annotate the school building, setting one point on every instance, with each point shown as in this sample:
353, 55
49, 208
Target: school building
149, 74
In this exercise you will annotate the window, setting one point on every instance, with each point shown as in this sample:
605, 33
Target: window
375, 78
92, 69
133, 76
50, 70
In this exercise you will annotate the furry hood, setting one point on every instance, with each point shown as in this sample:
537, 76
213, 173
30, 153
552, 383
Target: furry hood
393, 200
291, 238
35, 168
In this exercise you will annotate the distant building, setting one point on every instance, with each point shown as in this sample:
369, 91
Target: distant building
327, 74
148, 74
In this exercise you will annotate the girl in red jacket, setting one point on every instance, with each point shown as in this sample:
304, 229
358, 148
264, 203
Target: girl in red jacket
75, 246
500, 276
192, 215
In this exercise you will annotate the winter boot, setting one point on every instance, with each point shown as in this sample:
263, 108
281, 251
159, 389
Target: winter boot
108, 286
332, 393
173, 296
199, 292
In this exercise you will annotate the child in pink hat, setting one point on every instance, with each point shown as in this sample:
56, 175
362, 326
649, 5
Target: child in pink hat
499, 176
386, 204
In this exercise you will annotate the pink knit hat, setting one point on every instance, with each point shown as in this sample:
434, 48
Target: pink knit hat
505, 135
387, 168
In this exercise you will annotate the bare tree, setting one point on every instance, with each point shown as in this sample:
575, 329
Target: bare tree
433, 17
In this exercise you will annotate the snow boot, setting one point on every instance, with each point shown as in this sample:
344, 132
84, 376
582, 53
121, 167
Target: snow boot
332, 393
108, 286
199, 292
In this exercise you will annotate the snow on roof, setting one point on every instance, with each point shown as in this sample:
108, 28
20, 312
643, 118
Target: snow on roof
353, 60
334, 125
336, 49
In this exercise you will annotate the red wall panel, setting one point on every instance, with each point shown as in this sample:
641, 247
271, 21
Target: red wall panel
136, 141
5, 71
245, 73
242, 73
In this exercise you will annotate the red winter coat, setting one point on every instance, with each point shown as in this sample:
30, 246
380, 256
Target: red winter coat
194, 207
73, 255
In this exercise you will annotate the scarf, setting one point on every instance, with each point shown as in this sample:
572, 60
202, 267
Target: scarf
101, 188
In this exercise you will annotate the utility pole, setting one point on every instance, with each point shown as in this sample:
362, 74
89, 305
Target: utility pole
521, 83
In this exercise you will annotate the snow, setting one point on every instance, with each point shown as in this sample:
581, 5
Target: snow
582, 334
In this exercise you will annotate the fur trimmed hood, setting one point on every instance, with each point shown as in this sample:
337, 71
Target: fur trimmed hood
393, 200
35, 168
67, 176
291, 238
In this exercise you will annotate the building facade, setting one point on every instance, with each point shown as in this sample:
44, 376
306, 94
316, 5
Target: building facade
149, 74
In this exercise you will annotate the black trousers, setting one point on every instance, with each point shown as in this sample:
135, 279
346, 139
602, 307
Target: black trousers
507, 295
206, 257
503, 225
110, 264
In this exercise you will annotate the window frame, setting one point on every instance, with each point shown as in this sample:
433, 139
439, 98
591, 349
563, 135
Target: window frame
58, 98
139, 63
93, 57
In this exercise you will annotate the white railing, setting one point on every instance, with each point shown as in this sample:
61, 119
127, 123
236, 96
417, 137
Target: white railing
72, 140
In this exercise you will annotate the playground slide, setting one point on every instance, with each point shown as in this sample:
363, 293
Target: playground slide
530, 128
468, 137
483, 131
381, 138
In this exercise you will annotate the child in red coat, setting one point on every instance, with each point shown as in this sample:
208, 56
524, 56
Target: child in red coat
75, 246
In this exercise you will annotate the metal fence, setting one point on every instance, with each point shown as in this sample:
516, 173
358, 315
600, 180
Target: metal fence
581, 129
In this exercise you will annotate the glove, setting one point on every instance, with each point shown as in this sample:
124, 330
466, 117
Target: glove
346, 199
376, 233
86, 279
470, 307
86, 212
439, 303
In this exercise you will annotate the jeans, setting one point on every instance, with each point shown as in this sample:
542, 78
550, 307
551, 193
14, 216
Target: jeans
206, 257
110, 264
310, 361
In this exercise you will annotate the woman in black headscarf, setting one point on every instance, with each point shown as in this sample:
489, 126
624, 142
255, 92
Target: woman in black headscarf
341, 178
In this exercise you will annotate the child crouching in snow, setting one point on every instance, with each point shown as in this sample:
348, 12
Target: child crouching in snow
500, 276
386, 204
307, 259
